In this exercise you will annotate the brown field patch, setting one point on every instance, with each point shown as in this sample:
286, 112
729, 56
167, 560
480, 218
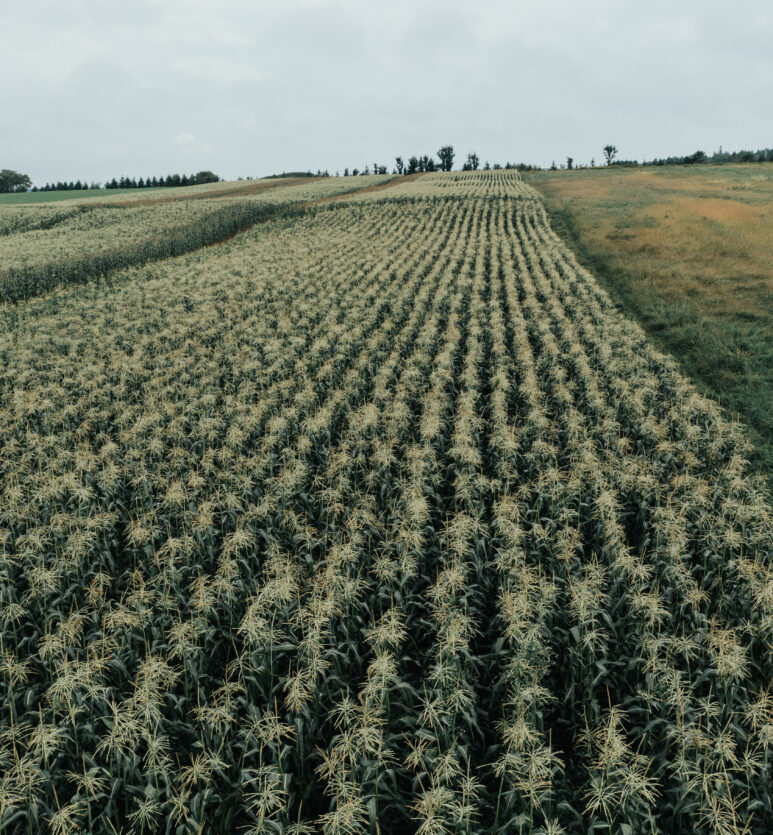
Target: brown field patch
684, 233
722, 210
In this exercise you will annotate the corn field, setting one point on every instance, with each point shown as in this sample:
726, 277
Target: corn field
377, 518
42, 248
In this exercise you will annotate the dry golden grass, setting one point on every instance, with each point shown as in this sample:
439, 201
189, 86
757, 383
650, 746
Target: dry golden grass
703, 234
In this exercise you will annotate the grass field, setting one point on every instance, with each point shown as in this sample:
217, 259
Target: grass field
688, 251
31, 197
375, 517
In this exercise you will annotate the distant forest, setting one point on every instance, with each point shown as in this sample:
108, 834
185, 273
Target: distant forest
171, 181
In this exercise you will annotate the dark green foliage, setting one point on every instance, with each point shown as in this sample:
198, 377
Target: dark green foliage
610, 152
472, 163
446, 157
13, 181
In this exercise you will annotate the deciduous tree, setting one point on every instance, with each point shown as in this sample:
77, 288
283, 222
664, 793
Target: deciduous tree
473, 162
13, 181
446, 156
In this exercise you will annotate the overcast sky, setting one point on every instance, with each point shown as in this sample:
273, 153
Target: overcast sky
99, 88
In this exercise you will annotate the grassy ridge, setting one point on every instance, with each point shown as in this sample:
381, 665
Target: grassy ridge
689, 254
28, 197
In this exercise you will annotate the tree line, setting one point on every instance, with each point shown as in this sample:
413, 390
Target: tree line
696, 158
700, 157
420, 164
170, 181
13, 181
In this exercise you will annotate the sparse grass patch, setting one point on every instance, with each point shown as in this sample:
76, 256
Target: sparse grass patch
28, 197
